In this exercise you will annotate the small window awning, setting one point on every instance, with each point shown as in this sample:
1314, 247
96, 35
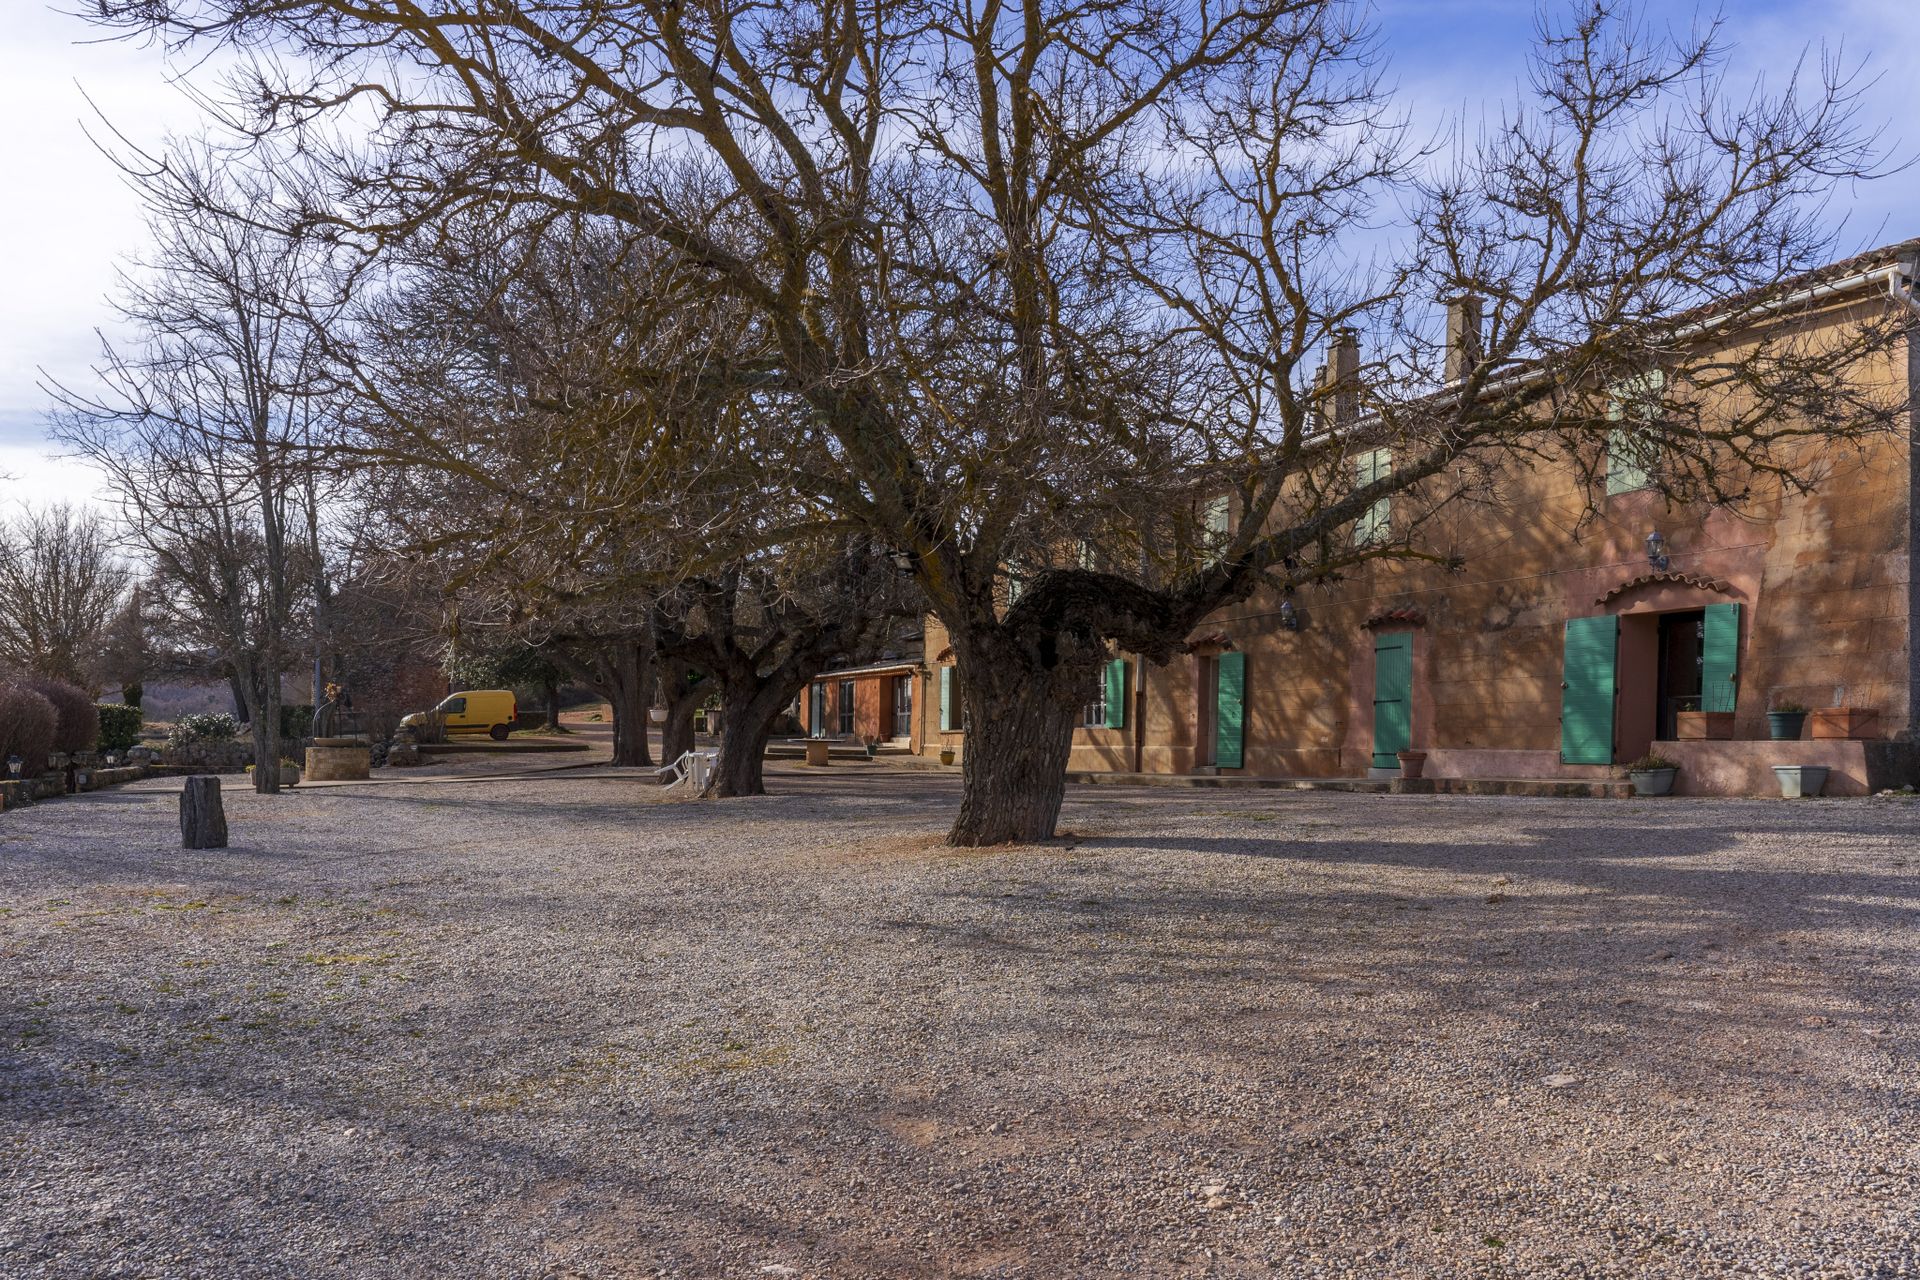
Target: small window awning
1666, 576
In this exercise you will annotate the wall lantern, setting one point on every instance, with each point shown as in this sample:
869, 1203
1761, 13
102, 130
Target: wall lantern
13, 765
1289, 615
1657, 556
902, 560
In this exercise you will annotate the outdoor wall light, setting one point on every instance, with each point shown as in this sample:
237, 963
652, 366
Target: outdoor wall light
902, 560
1289, 615
13, 765
1657, 555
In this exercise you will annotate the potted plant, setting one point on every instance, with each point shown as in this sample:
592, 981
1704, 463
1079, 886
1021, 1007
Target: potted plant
1652, 775
289, 773
1846, 722
1785, 721
946, 755
1798, 780
1412, 763
872, 744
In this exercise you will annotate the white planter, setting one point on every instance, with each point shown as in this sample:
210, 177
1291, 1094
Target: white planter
1800, 780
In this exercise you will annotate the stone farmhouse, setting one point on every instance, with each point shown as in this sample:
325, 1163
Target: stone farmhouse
1579, 634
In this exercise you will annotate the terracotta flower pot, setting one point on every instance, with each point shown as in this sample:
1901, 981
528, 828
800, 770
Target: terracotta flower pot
1413, 764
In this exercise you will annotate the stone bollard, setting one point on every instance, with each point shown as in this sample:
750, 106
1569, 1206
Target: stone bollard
817, 752
203, 822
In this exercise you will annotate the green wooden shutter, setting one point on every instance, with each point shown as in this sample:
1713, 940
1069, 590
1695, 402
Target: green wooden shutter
1229, 711
1720, 658
1631, 452
1376, 521
1587, 689
1117, 694
1392, 697
946, 700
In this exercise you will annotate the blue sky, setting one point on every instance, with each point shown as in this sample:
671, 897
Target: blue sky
69, 221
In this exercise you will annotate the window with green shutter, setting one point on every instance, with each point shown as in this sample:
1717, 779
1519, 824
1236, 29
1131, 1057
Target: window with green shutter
1587, 690
1229, 711
949, 704
1116, 682
1720, 657
1632, 450
1219, 521
1376, 522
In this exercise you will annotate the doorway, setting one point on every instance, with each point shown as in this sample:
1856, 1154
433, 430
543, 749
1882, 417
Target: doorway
1206, 673
903, 706
1682, 665
1392, 697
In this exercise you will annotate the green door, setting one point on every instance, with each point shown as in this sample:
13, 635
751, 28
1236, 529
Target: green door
1719, 657
1587, 689
1230, 712
1392, 696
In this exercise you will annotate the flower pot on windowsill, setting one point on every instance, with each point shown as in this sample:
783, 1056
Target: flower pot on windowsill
1785, 726
1696, 726
946, 755
1846, 722
1413, 764
1798, 780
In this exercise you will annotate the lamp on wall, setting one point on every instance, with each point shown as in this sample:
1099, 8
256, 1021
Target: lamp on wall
1289, 615
1657, 556
14, 764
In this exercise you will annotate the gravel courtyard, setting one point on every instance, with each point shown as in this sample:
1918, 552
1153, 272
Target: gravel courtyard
556, 1026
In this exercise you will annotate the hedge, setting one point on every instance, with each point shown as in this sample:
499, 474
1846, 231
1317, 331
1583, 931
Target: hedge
27, 722
119, 726
77, 726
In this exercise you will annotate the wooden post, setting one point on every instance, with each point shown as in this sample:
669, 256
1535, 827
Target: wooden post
203, 822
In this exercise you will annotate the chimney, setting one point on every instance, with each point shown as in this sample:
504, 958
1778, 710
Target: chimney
1344, 374
1463, 336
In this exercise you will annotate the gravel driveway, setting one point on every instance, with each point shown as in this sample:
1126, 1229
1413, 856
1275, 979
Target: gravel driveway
555, 1026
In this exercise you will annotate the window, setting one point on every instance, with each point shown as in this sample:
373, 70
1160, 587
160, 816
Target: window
1376, 522
454, 706
846, 708
1094, 714
903, 707
1632, 451
1219, 521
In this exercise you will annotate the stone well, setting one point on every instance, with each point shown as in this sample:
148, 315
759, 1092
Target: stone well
338, 760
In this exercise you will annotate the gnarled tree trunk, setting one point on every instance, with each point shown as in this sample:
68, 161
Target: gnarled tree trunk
629, 690
747, 716
1020, 722
684, 692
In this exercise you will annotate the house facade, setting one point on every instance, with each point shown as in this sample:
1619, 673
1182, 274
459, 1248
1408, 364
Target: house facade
1581, 633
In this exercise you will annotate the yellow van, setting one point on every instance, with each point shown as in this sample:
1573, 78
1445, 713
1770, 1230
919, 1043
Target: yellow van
488, 711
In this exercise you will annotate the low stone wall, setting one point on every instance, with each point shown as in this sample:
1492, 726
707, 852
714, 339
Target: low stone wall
208, 757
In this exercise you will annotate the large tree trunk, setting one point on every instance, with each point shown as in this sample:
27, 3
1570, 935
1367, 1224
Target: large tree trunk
629, 691
1021, 713
266, 734
683, 697
551, 691
747, 718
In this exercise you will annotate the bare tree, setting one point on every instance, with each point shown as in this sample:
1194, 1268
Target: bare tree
205, 425
1034, 278
60, 588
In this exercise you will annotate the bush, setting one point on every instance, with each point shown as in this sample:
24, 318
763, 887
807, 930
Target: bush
27, 723
296, 720
213, 726
119, 726
77, 723
1651, 761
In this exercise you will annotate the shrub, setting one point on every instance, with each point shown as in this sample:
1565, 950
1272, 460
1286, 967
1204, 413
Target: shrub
1791, 708
213, 726
27, 723
296, 720
119, 726
77, 720
1651, 761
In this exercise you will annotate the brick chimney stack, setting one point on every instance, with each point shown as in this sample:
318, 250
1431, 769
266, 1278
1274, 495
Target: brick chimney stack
1344, 373
1463, 336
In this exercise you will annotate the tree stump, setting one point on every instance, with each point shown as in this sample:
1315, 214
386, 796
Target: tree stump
203, 822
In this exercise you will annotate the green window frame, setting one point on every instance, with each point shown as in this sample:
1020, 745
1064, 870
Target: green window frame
1376, 522
1631, 453
949, 703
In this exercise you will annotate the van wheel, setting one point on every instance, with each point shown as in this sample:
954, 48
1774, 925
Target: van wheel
498, 733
